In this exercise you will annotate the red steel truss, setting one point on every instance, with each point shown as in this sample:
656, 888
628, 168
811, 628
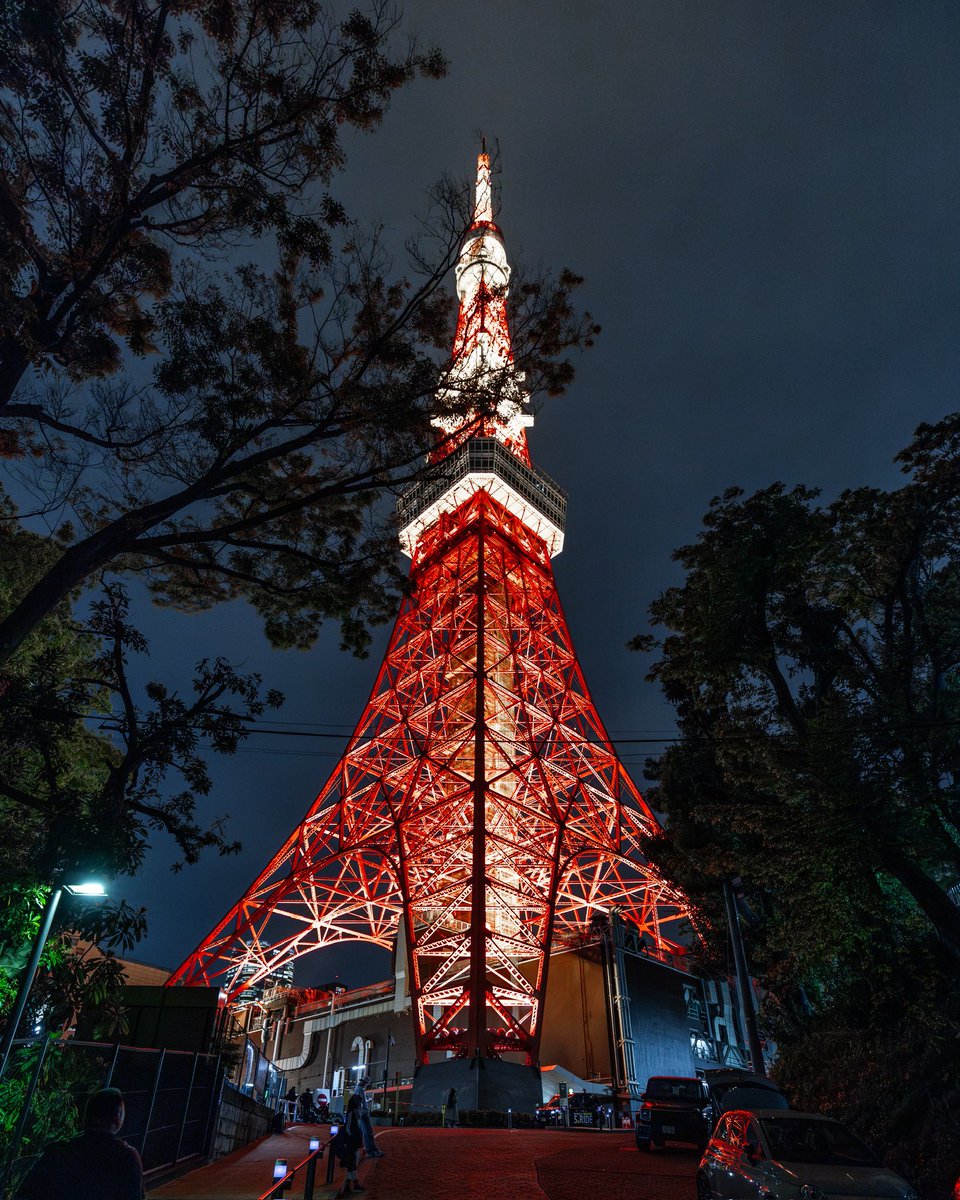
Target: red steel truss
479, 804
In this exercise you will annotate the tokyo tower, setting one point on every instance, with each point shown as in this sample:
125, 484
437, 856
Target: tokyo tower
479, 803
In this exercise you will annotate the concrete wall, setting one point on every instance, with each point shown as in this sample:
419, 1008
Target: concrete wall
575, 1030
658, 1015
575, 1026
241, 1120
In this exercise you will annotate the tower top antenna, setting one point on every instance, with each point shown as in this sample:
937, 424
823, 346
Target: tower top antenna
483, 202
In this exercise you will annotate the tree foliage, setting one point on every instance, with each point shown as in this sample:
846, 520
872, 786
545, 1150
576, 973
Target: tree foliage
813, 657
88, 759
90, 764
138, 140
132, 127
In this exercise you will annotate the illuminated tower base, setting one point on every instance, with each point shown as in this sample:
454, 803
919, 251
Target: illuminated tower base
479, 801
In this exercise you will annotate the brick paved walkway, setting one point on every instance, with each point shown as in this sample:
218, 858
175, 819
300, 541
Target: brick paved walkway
462, 1164
246, 1174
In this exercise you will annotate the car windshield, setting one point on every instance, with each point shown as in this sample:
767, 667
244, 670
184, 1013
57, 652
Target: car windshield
825, 1142
674, 1089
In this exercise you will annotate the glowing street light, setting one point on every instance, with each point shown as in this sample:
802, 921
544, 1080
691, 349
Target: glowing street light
90, 887
78, 886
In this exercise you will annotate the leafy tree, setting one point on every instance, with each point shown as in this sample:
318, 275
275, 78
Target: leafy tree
70, 797
813, 657
137, 140
54, 1113
86, 783
131, 127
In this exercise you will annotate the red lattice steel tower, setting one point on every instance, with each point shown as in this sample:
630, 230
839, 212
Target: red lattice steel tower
479, 801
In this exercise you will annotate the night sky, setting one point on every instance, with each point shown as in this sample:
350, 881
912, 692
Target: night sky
763, 200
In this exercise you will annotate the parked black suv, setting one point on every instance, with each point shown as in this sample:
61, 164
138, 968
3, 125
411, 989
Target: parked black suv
734, 1087
674, 1108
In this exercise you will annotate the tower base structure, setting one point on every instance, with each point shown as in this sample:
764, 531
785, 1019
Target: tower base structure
484, 1083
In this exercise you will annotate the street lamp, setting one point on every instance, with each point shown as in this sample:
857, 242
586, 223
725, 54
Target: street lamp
77, 887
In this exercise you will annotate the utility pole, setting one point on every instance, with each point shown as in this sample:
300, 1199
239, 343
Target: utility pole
326, 1056
744, 985
386, 1068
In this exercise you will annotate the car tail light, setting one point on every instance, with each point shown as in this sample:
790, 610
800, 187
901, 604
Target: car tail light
645, 1108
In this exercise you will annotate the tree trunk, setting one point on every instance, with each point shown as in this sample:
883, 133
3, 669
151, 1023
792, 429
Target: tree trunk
13, 364
937, 906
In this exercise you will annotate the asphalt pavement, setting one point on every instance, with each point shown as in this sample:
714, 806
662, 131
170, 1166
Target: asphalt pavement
461, 1164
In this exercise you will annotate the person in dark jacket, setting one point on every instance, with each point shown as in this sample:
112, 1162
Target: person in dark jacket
366, 1125
349, 1147
97, 1165
451, 1114
305, 1106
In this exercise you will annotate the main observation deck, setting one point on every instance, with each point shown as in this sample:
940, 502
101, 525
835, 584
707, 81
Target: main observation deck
484, 464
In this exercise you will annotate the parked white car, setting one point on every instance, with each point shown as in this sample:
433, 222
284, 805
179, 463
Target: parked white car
780, 1155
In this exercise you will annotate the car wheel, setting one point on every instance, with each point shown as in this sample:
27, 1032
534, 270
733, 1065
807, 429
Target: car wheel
704, 1190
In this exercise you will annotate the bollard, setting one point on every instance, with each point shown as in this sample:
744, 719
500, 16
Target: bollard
279, 1171
509, 1118
334, 1130
310, 1177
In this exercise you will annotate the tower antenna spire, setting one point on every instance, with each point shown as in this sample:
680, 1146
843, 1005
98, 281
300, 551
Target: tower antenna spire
483, 201
482, 365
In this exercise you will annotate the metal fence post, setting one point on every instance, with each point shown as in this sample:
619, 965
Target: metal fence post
113, 1066
153, 1100
24, 1112
216, 1092
186, 1109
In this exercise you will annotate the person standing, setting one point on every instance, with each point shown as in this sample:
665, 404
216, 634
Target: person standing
451, 1116
305, 1104
349, 1146
97, 1165
366, 1125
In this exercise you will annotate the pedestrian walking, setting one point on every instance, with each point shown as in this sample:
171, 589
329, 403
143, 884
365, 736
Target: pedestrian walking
97, 1165
366, 1125
347, 1145
451, 1116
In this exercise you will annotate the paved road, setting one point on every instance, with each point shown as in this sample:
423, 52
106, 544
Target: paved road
464, 1164
490, 1164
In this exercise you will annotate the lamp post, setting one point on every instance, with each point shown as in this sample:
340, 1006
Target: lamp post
386, 1068
86, 887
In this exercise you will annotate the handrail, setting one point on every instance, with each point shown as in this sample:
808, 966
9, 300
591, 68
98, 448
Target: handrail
278, 1185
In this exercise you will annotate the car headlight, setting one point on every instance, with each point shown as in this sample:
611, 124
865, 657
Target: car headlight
810, 1191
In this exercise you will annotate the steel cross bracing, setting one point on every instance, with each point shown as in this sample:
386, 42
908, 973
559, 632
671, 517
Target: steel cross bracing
479, 800
480, 709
